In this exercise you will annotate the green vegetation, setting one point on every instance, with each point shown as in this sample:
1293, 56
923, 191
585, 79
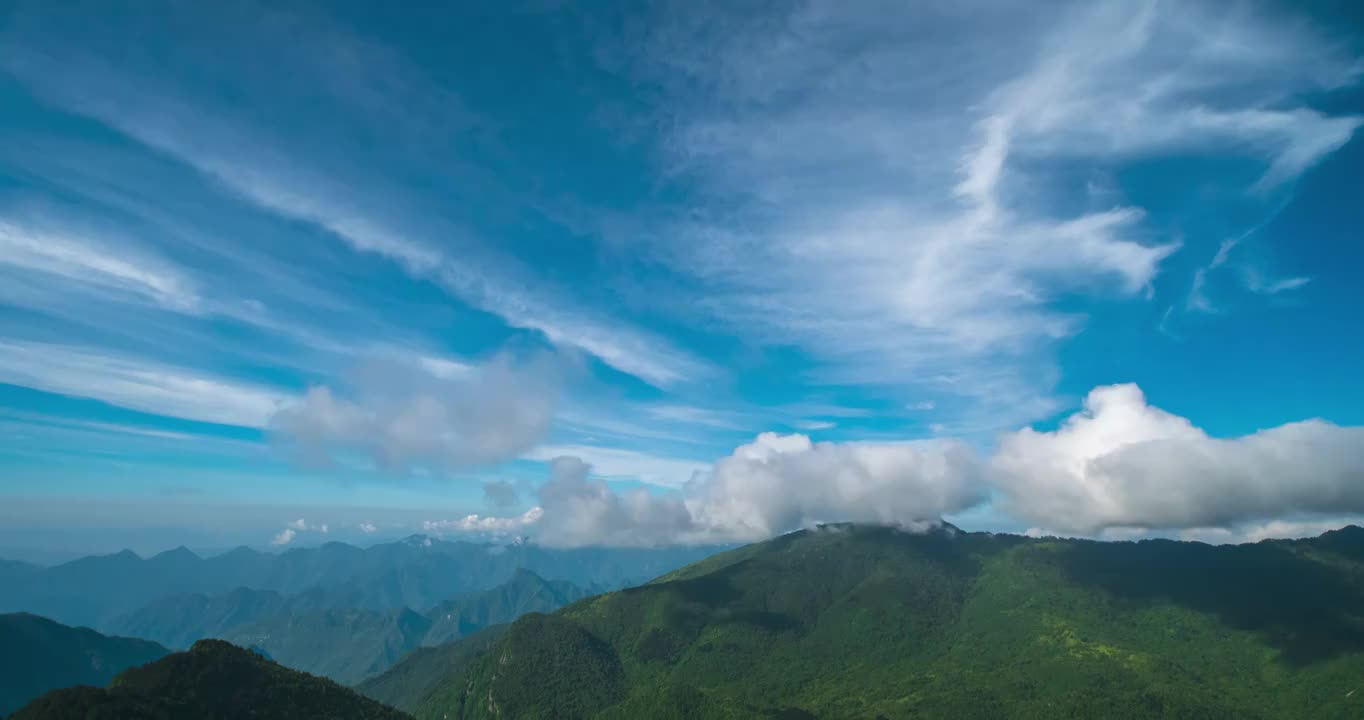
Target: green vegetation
868, 622
525, 593
37, 655
409, 682
213, 680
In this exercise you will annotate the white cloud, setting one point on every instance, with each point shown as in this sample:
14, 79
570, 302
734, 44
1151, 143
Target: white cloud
1120, 463
1257, 283
773, 485
578, 510
351, 209
485, 524
779, 483
903, 207
284, 537
368, 528
78, 259
137, 384
813, 425
402, 415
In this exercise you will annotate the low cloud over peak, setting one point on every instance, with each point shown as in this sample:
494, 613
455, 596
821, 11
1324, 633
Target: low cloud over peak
1118, 466
1120, 462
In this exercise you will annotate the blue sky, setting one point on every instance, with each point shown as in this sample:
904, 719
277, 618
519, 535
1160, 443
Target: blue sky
374, 268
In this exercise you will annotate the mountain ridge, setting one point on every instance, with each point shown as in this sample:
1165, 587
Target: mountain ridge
213, 679
38, 655
852, 621
95, 591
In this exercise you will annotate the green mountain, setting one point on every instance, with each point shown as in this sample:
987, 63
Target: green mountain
37, 655
871, 622
213, 679
525, 593
419, 672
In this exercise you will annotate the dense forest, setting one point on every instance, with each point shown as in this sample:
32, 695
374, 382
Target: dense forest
213, 680
871, 622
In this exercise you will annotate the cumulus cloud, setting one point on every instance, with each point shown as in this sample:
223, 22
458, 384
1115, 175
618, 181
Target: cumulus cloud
484, 524
1121, 463
772, 485
403, 415
579, 510
294, 527
368, 528
779, 483
1118, 469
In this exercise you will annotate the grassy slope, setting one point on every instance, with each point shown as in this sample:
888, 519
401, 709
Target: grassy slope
869, 622
213, 679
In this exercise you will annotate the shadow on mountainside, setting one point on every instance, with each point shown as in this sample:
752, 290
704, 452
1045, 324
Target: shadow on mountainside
1307, 609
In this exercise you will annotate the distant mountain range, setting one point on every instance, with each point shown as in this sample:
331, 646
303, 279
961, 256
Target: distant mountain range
37, 655
417, 573
213, 679
873, 622
317, 632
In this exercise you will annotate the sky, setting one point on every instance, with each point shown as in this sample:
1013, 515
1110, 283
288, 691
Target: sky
677, 272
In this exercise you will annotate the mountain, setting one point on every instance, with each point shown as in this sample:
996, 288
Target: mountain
214, 679
525, 593
349, 644
417, 573
410, 681
37, 655
177, 621
345, 645
873, 622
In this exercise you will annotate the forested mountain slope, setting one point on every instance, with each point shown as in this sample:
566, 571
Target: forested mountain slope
213, 679
37, 655
871, 622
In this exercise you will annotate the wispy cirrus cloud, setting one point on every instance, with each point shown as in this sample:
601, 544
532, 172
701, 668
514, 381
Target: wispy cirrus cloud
359, 210
856, 213
76, 258
138, 384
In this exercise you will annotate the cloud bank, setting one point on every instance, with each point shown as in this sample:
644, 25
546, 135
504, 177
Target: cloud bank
775, 484
1117, 468
1121, 463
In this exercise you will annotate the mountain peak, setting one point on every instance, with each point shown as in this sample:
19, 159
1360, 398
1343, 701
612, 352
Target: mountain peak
178, 553
526, 574
419, 541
